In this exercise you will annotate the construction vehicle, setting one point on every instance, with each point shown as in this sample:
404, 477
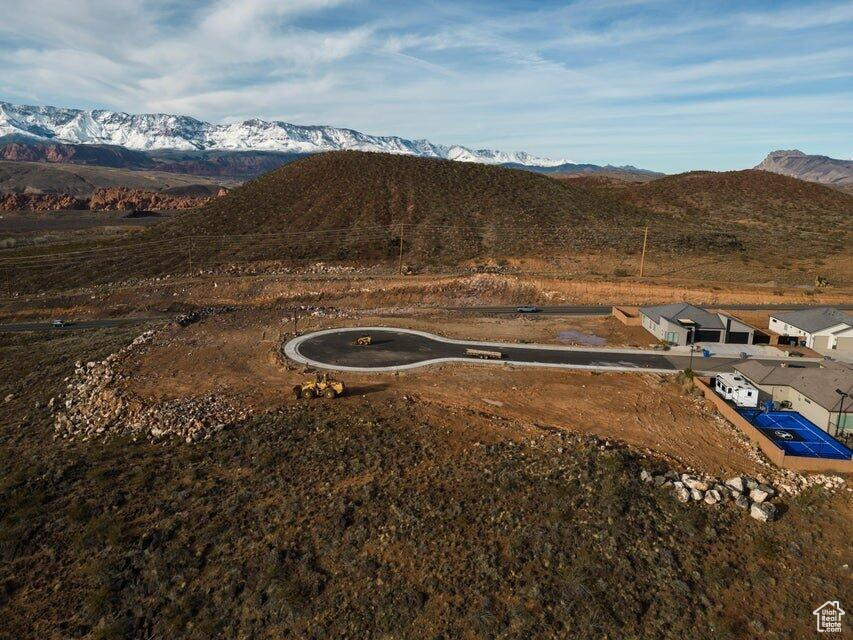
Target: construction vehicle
363, 341
820, 282
321, 385
485, 355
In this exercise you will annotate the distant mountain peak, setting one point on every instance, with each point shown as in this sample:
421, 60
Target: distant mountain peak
160, 131
785, 152
832, 172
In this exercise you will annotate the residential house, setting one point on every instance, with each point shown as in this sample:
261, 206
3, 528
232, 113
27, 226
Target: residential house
683, 323
811, 391
819, 328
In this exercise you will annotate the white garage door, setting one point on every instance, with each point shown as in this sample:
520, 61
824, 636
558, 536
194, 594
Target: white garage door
821, 343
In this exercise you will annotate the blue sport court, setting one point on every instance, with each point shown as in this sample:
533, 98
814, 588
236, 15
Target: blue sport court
795, 435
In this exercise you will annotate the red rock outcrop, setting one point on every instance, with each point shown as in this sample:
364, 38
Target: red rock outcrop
40, 202
123, 198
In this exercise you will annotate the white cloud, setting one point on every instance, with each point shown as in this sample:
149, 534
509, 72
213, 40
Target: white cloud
551, 81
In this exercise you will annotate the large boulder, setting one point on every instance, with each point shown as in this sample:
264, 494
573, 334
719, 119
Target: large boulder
763, 512
735, 484
696, 484
761, 493
712, 496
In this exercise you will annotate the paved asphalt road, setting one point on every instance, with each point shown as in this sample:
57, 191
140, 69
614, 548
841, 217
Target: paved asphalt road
83, 324
604, 310
393, 348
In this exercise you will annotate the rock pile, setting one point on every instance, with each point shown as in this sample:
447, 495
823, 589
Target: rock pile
97, 406
746, 493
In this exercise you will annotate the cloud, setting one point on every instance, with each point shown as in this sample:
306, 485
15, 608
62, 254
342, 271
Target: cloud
623, 81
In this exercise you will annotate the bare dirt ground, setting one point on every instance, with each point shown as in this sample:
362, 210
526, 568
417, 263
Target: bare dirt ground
235, 354
364, 290
542, 329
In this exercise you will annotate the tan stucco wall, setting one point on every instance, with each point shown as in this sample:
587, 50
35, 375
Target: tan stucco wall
809, 409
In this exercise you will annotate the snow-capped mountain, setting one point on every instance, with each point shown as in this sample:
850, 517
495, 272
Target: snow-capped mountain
157, 131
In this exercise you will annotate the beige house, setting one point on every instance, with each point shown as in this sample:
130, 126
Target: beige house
682, 323
820, 328
811, 392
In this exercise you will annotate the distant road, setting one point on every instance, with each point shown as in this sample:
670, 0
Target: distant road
604, 310
83, 324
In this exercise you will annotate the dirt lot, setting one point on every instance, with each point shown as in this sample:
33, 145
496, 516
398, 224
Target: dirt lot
234, 354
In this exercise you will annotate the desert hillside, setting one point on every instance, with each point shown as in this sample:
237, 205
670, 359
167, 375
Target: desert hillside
768, 203
446, 210
352, 208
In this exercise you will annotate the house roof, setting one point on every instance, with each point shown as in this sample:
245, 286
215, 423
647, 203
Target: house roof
684, 311
816, 383
815, 319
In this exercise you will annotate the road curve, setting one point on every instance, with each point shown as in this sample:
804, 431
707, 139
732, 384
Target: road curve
403, 349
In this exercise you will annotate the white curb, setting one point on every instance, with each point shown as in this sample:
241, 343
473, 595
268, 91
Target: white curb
291, 350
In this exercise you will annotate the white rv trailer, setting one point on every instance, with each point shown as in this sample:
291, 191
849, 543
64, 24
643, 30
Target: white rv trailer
734, 387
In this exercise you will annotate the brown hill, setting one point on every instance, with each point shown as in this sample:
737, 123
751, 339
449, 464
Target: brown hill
446, 210
750, 198
353, 207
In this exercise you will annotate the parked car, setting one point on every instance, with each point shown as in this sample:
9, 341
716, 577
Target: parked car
59, 323
528, 309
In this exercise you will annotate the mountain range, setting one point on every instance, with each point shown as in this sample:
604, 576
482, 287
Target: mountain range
165, 139
157, 131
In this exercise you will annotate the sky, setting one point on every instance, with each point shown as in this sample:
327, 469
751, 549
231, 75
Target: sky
663, 85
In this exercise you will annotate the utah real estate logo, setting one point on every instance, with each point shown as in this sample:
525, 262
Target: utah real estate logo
829, 617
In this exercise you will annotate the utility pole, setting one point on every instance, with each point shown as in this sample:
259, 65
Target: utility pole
401, 248
643, 257
843, 395
190, 256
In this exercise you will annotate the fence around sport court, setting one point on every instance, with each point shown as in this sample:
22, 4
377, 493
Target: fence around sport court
776, 455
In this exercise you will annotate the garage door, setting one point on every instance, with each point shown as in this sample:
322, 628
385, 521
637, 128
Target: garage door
738, 337
845, 344
707, 336
820, 343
